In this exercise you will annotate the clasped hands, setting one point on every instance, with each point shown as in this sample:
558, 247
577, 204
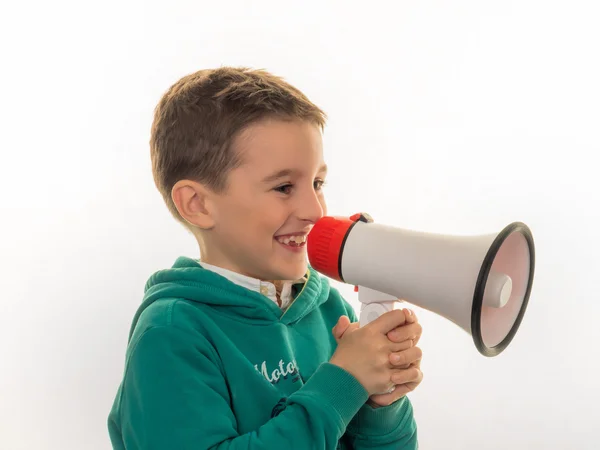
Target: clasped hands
382, 355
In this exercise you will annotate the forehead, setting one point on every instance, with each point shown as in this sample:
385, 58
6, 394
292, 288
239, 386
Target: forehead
278, 144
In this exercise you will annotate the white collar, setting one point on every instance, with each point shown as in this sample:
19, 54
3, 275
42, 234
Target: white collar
265, 288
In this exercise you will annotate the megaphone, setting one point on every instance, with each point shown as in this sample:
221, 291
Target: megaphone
481, 283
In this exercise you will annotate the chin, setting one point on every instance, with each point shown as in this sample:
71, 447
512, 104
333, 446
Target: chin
292, 271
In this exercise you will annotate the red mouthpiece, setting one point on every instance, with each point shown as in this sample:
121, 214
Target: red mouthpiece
325, 243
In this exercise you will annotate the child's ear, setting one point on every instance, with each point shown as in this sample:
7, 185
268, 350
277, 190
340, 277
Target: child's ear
193, 201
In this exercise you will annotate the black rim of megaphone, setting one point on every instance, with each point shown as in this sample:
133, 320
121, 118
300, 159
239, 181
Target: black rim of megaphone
480, 289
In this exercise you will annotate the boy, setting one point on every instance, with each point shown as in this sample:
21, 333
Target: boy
248, 347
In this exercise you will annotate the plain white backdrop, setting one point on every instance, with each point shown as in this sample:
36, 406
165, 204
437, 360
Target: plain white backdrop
455, 117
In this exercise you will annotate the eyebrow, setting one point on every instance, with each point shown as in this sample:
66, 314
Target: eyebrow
287, 172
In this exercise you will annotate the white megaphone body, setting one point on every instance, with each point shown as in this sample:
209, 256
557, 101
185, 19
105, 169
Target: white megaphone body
481, 283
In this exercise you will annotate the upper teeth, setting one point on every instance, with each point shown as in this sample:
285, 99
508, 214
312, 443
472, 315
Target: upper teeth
296, 239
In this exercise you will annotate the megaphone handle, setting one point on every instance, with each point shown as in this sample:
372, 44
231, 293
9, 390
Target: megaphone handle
367, 295
373, 304
371, 311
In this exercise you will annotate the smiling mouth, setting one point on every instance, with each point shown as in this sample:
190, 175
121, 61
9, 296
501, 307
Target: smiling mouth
292, 241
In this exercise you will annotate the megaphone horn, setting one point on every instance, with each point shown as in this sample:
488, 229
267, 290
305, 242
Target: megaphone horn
481, 283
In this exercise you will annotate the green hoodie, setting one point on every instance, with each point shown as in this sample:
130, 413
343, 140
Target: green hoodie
213, 365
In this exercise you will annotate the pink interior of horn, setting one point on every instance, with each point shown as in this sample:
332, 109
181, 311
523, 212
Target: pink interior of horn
512, 259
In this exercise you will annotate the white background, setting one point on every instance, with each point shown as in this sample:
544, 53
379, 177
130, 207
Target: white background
455, 117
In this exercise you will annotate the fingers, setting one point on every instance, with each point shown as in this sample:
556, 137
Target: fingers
409, 331
405, 382
340, 328
388, 321
410, 316
403, 389
406, 357
401, 346
411, 375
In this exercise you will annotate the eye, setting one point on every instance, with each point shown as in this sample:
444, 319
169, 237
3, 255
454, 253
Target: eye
318, 184
284, 189
287, 188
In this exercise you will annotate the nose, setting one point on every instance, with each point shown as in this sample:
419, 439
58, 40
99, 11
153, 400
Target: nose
311, 207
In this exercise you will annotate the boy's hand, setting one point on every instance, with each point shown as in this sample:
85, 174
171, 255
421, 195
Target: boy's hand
342, 326
365, 351
409, 356
409, 360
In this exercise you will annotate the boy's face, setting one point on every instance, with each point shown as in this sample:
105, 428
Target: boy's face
271, 203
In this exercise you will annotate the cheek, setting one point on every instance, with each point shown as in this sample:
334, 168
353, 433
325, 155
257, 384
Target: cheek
272, 219
237, 217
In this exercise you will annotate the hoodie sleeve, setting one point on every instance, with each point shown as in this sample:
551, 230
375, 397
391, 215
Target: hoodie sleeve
165, 404
388, 427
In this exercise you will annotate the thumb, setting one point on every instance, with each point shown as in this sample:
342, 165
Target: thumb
388, 321
340, 328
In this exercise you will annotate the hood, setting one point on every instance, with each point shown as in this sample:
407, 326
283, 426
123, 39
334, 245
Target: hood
186, 279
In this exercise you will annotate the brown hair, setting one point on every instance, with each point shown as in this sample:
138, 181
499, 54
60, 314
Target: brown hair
197, 119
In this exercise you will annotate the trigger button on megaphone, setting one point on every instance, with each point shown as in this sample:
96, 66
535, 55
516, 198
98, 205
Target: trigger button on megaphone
372, 315
362, 217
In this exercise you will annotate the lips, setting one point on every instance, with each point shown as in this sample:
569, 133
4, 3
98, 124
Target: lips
294, 240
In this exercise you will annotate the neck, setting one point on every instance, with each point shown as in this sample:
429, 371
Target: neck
207, 257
